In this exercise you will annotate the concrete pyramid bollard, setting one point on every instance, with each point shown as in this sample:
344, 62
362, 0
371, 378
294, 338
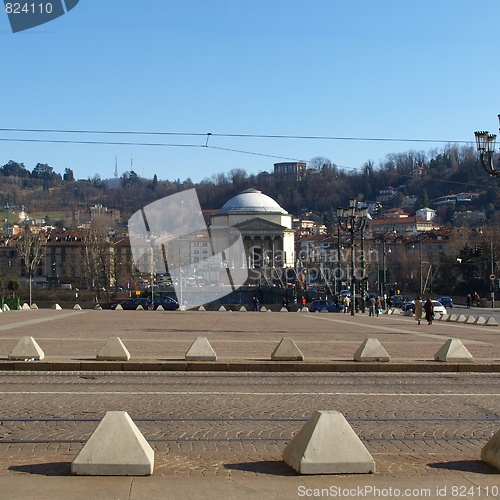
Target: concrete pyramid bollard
201, 350
444, 317
287, 350
6, 308
284, 310
57, 307
461, 318
491, 451
222, 308
113, 350
491, 321
160, 308
33, 306
115, 448
327, 444
1, 310
453, 318
470, 320
201, 308
139, 308
243, 309
453, 351
25, 307
27, 348
304, 310
98, 307
480, 321
263, 309
77, 307
269, 310
119, 307
371, 350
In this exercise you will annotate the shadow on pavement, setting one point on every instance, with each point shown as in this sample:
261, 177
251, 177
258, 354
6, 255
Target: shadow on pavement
271, 467
476, 466
45, 469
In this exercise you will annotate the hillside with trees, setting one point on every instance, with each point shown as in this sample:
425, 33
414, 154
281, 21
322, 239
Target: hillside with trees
425, 175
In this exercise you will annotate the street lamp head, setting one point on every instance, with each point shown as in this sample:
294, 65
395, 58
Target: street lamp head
490, 144
481, 140
352, 203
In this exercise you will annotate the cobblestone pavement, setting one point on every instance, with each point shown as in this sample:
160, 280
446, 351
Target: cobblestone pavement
418, 426
238, 424
154, 335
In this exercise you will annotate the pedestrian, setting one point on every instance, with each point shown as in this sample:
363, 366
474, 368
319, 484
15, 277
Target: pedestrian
476, 299
468, 300
418, 309
378, 305
347, 303
255, 302
371, 306
303, 302
429, 311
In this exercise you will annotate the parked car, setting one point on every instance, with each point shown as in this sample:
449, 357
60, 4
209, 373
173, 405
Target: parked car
329, 305
168, 303
408, 306
438, 307
399, 300
446, 301
132, 304
345, 293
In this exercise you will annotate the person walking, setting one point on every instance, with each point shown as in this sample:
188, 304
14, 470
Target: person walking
347, 303
468, 300
418, 309
371, 306
429, 311
378, 305
255, 302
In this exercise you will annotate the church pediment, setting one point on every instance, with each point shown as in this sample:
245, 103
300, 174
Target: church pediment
258, 224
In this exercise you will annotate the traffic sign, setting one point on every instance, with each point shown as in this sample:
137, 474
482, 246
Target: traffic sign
493, 277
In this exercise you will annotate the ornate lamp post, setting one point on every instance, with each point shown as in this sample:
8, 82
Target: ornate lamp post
485, 143
352, 219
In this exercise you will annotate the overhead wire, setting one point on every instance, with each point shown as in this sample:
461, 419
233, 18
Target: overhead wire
206, 145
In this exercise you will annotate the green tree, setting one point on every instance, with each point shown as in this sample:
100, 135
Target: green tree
13, 286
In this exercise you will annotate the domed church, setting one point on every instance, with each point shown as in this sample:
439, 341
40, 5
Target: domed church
266, 229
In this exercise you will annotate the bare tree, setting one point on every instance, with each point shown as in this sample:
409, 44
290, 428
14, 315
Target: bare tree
96, 258
31, 249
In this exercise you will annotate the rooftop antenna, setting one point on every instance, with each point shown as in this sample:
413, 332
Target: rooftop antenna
116, 167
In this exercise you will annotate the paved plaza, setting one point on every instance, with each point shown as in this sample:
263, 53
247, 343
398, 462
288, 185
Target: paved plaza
220, 434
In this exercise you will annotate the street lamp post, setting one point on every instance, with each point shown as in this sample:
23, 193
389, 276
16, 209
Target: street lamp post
492, 266
485, 143
352, 219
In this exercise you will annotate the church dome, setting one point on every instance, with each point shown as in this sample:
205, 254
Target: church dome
251, 201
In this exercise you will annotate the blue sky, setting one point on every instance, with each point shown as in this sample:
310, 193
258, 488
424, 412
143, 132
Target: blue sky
423, 70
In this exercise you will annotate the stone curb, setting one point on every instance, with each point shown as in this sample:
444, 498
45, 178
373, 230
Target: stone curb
257, 366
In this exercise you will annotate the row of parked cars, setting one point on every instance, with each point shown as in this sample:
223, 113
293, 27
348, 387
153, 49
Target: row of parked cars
440, 305
168, 303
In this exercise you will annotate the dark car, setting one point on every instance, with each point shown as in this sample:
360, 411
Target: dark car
168, 303
133, 304
446, 301
329, 305
408, 306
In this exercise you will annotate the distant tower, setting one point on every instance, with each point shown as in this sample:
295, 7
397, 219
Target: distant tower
116, 167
